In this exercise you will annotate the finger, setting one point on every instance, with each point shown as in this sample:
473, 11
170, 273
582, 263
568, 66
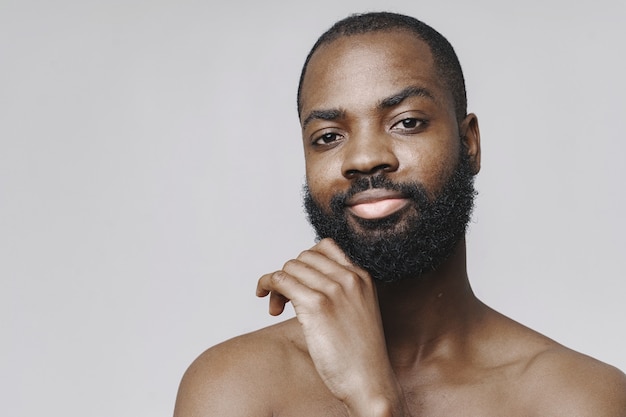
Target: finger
331, 250
277, 300
316, 271
261, 289
317, 261
325, 275
277, 303
284, 287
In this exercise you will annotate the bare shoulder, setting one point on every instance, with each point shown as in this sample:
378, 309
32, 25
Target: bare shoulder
562, 382
546, 378
238, 377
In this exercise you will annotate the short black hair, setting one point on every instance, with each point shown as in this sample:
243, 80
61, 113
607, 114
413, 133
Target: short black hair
446, 62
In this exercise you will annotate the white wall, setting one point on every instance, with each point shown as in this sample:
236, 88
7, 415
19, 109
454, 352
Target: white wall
150, 172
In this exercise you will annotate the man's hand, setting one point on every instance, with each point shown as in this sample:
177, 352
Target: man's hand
336, 304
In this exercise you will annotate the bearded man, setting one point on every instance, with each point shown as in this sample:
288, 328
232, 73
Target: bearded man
386, 321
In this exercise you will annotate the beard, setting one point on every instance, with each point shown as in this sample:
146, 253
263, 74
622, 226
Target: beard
408, 243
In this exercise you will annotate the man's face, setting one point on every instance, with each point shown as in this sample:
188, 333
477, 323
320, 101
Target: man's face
383, 153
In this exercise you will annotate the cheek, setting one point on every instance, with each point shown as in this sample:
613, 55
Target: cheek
430, 165
322, 179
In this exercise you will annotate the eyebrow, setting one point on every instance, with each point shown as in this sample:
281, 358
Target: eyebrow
394, 100
397, 98
330, 114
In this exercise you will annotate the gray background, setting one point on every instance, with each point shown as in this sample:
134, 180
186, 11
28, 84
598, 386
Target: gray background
151, 166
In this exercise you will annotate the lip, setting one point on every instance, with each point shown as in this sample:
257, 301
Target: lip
376, 203
372, 195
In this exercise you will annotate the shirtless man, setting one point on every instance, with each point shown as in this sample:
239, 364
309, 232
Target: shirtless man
386, 322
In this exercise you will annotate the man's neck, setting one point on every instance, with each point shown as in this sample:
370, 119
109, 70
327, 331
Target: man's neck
431, 314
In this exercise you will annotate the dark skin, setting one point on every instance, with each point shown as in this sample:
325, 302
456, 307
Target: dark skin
417, 347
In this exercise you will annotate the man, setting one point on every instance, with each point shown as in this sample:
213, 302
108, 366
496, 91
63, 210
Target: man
386, 322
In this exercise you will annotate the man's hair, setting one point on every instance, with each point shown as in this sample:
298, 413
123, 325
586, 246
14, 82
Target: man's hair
446, 62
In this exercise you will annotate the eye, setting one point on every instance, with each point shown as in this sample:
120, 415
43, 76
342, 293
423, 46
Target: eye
410, 123
327, 138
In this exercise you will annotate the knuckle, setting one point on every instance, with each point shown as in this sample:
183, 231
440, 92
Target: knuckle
352, 280
319, 301
278, 277
334, 289
290, 264
353, 283
325, 243
304, 255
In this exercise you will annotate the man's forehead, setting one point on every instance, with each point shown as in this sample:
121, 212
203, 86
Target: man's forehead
396, 43
368, 67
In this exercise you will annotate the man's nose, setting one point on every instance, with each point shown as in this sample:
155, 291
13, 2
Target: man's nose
365, 154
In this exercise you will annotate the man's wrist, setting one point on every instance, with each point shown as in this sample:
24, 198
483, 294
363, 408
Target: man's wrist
379, 406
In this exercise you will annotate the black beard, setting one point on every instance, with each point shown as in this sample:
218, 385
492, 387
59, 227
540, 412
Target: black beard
408, 243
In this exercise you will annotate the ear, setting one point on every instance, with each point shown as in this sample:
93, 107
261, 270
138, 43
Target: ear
470, 135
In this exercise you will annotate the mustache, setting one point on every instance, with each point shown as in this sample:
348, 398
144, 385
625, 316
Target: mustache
414, 191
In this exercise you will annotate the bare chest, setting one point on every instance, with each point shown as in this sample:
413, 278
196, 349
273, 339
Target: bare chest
482, 400
444, 407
